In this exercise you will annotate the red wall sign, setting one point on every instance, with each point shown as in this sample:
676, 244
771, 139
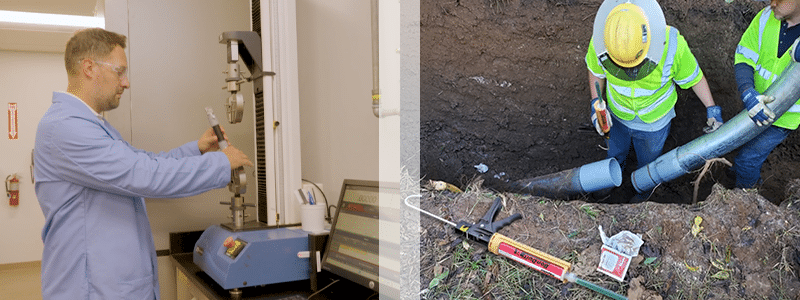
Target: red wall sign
13, 132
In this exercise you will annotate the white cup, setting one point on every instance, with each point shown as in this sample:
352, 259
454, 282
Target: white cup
312, 216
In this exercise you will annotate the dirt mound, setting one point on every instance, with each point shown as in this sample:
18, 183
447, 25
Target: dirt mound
746, 247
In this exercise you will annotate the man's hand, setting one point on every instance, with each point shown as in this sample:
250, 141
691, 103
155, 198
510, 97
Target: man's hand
756, 107
714, 118
236, 157
597, 123
208, 141
794, 51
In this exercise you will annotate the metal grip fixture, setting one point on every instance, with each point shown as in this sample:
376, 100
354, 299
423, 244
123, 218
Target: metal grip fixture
237, 210
238, 183
244, 46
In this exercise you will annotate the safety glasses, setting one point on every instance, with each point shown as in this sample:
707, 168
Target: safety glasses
628, 74
121, 71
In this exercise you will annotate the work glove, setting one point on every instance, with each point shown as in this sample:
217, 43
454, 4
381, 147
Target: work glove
714, 121
794, 51
605, 114
757, 108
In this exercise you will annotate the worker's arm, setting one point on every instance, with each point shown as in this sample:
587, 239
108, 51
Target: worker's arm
601, 118
754, 102
713, 112
703, 92
85, 153
592, 80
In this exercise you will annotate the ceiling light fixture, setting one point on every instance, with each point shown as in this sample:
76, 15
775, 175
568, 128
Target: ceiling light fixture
16, 19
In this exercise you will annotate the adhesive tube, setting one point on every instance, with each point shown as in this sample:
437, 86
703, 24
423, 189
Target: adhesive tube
215, 125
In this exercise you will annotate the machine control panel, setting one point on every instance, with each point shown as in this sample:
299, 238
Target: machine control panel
234, 247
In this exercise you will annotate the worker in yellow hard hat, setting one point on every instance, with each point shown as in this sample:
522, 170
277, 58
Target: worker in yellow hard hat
637, 60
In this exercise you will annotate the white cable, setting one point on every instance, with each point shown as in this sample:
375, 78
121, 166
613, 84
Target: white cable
427, 213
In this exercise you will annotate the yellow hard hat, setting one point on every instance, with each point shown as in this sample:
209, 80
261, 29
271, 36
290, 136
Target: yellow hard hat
627, 35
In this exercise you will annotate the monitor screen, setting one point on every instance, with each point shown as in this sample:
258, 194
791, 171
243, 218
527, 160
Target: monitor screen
357, 251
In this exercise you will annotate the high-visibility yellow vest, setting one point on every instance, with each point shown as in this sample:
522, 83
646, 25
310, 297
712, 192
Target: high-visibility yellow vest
653, 96
759, 48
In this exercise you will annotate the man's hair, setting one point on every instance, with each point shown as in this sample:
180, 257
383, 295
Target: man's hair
93, 43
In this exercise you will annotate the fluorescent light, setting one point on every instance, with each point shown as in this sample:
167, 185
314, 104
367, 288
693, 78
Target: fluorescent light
16, 17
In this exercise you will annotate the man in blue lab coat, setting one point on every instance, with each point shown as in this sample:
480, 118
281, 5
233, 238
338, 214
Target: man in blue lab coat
91, 184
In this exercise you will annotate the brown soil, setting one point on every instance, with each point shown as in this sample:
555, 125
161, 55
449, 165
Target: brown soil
504, 84
747, 247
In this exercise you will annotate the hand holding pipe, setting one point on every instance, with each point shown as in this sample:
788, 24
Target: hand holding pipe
212, 119
734, 133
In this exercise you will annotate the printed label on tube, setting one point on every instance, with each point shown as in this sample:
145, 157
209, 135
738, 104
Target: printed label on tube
531, 260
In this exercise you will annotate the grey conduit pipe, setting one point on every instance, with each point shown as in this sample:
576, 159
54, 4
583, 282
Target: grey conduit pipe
581, 180
376, 93
732, 134
377, 109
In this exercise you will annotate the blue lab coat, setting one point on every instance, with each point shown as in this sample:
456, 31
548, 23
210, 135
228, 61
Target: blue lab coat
91, 186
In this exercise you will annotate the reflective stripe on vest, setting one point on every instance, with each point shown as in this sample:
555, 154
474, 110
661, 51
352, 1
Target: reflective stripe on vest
666, 69
762, 25
747, 53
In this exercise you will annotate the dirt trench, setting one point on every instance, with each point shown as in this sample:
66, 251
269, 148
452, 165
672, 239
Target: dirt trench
504, 85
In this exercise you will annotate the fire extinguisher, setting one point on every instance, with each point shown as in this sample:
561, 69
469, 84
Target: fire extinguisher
12, 190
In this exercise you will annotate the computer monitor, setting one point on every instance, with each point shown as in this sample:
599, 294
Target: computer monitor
356, 249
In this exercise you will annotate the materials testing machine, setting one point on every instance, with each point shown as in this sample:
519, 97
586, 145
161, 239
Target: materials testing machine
244, 254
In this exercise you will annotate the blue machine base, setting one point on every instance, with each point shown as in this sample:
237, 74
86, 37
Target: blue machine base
259, 257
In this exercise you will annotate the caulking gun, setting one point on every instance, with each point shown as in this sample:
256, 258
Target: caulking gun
485, 232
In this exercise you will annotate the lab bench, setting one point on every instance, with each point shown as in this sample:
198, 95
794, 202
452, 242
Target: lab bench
193, 283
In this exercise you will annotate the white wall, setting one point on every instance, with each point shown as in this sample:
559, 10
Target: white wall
28, 79
339, 132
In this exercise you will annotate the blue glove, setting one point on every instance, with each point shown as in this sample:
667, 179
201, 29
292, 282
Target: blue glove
714, 118
794, 51
757, 108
